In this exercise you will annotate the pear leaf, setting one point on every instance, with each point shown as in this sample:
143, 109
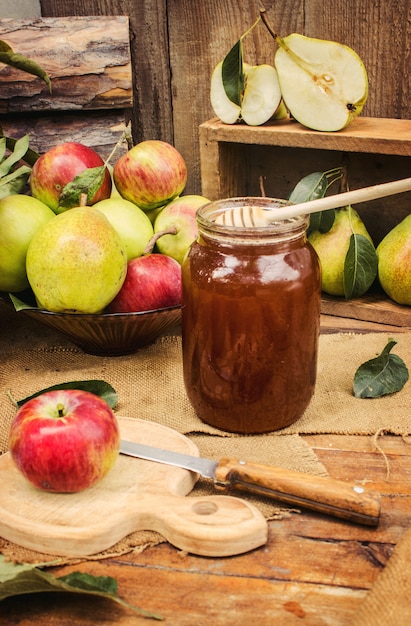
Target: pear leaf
233, 73
21, 578
315, 186
86, 183
20, 62
99, 387
360, 266
382, 375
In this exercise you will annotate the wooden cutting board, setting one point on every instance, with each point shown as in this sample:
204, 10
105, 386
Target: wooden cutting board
135, 495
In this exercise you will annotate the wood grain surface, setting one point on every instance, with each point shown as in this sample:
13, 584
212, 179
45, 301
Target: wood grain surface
313, 570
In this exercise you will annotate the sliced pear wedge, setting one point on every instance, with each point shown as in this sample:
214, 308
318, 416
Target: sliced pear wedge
324, 84
223, 107
262, 94
260, 101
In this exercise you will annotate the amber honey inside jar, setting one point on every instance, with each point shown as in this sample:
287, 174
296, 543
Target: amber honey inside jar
250, 317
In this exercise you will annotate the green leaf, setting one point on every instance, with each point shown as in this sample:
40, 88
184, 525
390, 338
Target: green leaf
310, 187
382, 375
17, 579
30, 157
98, 387
233, 73
20, 62
360, 266
18, 152
86, 183
14, 182
315, 186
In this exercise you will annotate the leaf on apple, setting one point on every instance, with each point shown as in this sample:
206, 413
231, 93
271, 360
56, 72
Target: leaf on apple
23, 578
86, 183
99, 387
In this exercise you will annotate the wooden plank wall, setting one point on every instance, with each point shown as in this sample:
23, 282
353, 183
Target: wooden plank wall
176, 43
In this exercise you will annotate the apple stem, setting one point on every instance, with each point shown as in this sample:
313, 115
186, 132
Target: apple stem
152, 242
60, 410
12, 398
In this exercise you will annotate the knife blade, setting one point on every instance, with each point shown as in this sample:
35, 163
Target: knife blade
333, 497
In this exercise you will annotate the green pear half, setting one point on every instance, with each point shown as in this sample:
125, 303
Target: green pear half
324, 83
394, 262
260, 101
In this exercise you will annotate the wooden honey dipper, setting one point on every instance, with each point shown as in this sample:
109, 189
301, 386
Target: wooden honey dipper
255, 216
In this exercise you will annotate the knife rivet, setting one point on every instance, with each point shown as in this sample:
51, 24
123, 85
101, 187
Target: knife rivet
358, 489
242, 462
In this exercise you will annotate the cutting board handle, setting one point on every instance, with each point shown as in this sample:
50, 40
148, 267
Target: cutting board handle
208, 525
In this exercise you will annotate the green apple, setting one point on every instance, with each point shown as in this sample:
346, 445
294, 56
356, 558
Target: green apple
324, 84
76, 263
260, 101
20, 217
175, 227
131, 223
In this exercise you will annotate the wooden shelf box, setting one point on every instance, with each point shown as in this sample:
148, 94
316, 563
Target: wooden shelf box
233, 159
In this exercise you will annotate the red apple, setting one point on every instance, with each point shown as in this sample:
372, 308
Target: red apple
151, 174
152, 282
57, 167
64, 440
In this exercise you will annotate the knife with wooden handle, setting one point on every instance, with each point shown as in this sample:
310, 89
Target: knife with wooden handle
326, 495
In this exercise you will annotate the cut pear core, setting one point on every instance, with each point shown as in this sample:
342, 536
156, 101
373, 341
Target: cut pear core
324, 83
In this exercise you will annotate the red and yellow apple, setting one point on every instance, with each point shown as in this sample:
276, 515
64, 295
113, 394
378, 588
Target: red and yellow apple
59, 166
153, 281
178, 218
150, 174
64, 441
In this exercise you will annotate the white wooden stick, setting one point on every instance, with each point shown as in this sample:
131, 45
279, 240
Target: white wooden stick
343, 199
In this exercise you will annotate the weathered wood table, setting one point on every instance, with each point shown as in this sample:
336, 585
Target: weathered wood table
314, 570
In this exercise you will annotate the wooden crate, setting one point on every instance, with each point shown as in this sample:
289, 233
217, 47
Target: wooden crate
374, 150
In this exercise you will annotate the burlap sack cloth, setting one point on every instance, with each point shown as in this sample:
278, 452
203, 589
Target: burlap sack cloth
149, 386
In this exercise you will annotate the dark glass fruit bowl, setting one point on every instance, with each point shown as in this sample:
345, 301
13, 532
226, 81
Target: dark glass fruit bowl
106, 334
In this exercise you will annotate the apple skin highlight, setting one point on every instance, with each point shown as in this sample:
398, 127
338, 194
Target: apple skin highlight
64, 453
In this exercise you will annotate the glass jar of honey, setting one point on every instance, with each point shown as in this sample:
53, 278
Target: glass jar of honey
250, 316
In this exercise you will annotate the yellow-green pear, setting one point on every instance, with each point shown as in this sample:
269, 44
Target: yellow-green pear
20, 218
332, 248
324, 84
394, 262
76, 263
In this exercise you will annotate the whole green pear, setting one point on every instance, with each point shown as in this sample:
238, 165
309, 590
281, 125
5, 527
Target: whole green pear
332, 248
394, 262
77, 262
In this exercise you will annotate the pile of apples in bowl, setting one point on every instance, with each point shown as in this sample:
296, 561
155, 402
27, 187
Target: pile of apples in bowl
94, 251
